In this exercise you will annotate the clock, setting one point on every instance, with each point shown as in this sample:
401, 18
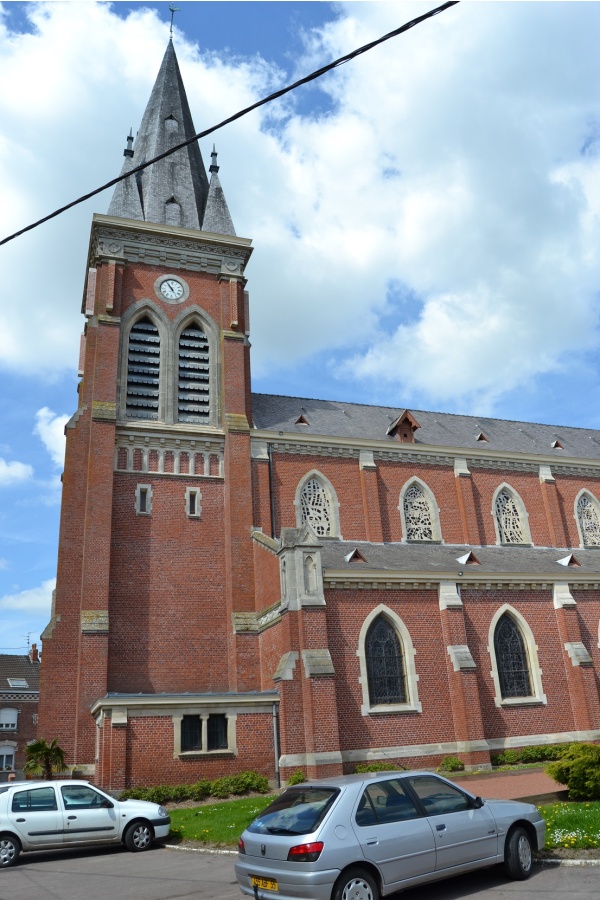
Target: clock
171, 288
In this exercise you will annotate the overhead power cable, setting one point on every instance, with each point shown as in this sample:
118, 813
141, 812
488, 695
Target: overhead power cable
280, 93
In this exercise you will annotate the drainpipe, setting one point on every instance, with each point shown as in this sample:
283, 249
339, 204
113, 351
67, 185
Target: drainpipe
271, 494
276, 746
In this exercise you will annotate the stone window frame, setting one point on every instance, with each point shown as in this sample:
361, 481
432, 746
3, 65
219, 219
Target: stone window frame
197, 493
413, 704
593, 500
140, 489
5, 721
169, 333
433, 507
538, 697
203, 714
7, 747
523, 516
334, 506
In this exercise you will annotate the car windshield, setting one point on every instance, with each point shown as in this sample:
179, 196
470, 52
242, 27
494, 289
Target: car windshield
298, 811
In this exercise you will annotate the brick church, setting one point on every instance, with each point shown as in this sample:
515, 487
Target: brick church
250, 581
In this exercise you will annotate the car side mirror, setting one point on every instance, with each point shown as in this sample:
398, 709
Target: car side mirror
478, 803
106, 804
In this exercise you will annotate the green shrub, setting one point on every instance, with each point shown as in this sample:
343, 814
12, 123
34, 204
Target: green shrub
242, 783
296, 777
199, 790
375, 767
506, 758
451, 764
579, 769
541, 753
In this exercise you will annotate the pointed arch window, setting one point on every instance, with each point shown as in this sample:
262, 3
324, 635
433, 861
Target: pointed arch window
589, 521
143, 370
193, 391
385, 664
512, 660
509, 519
420, 518
315, 505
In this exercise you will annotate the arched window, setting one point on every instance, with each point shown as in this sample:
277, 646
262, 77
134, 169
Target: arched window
385, 665
511, 525
419, 512
317, 505
143, 370
588, 520
193, 389
512, 660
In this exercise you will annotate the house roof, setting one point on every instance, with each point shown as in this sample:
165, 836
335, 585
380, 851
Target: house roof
334, 418
17, 667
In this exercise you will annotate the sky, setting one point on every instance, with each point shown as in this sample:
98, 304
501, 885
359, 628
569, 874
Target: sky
426, 218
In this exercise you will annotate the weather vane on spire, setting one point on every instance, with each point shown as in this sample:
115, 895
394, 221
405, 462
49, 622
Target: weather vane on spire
172, 10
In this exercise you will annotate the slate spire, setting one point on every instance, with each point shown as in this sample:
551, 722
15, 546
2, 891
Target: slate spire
216, 218
173, 191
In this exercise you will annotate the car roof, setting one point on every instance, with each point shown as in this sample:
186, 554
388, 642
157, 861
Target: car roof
340, 781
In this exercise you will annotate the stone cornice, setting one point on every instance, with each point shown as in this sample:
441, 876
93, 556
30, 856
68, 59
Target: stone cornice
418, 580
167, 701
328, 445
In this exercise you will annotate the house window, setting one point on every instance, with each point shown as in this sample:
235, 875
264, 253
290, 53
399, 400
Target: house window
8, 719
143, 499
191, 733
193, 397
509, 520
143, 370
511, 659
385, 665
193, 509
589, 521
217, 732
7, 759
18, 682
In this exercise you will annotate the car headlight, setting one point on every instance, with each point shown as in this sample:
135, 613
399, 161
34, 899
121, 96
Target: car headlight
162, 811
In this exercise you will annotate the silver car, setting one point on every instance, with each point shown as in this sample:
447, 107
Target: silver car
360, 837
44, 815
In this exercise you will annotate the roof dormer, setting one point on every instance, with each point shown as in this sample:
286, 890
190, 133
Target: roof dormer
403, 428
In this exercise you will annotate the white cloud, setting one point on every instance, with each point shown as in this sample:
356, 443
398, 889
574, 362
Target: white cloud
33, 600
451, 162
14, 472
50, 427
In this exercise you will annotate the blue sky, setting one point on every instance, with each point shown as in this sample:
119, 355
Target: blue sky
425, 219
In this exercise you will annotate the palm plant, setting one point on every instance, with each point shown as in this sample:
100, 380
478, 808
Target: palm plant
44, 758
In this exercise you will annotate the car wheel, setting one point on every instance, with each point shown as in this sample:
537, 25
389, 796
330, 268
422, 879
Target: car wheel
9, 850
356, 884
519, 856
139, 836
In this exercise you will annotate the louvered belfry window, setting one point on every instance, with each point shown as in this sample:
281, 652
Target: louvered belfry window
511, 659
385, 666
143, 370
193, 398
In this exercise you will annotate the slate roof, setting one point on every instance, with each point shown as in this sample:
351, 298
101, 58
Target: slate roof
444, 558
216, 216
14, 666
180, 177
358, 421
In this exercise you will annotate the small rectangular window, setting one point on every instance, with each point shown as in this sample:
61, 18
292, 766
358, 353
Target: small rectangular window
193, 509
217, 732
143, 499
18, 682
7, 761
191, 734
193, 499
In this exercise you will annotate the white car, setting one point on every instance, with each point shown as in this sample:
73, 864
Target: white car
49, 815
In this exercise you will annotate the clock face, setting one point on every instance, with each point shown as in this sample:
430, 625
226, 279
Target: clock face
171, 289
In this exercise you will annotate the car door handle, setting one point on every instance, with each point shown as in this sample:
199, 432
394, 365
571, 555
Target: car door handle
372, 841
440, 827
71, 817
21, 820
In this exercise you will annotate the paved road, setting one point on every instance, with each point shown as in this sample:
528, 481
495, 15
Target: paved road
162, 874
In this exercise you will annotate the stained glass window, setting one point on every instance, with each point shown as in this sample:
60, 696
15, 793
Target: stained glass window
316, 507
589, 523
511, 659
508, 517
385, 666
417, 515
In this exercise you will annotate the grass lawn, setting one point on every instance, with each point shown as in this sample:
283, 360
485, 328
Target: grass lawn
216, 823
572, 825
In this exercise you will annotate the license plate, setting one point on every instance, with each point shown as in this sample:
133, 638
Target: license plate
265, 884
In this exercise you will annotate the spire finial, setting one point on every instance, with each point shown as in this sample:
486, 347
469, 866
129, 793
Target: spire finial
172, 10
213, 166
129, 149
